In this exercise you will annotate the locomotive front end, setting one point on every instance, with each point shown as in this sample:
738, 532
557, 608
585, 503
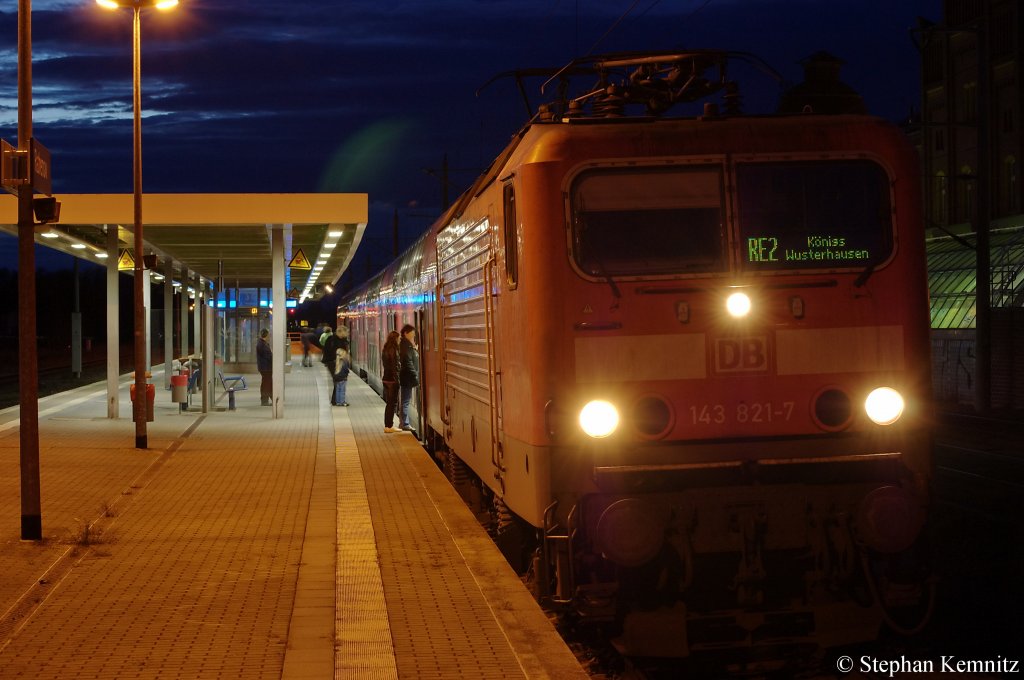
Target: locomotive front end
741, 458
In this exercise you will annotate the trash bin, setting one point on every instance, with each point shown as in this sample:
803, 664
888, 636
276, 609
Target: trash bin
150, 401
179, 389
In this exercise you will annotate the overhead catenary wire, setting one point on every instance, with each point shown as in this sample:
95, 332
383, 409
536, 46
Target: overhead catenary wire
612, 27
618, 21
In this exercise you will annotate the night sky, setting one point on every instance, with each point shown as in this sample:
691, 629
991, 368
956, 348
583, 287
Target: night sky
350, 95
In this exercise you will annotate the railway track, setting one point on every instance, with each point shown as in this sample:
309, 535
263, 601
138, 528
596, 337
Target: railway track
979, 467
56, 376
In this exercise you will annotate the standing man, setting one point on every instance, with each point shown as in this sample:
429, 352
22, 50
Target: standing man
409, 372
304, 337
265, 365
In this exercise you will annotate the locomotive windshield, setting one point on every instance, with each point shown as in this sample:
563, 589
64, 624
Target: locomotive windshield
813, 215
642, 221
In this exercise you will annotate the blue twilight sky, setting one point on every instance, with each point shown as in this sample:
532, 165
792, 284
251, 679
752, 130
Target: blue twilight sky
367, 96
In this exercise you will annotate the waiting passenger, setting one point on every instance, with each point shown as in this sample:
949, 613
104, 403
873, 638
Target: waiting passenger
325, 334
409, 372
341, 369
265, 365
389, 376
309, 341
334, 344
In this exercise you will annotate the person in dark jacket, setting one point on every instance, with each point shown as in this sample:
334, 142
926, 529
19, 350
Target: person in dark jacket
409, 372
265, 365
310, 339
335, 344
389, 376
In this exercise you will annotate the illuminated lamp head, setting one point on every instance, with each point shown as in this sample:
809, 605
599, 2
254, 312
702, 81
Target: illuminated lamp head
599, 418
884, 406
738, 305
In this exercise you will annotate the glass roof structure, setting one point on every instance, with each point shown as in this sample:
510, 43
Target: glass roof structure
951, 275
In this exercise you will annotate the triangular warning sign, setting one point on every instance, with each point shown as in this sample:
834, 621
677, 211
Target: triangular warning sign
299, 261
125, 261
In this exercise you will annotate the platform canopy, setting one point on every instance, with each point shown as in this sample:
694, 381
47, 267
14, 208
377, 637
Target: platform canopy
214, 235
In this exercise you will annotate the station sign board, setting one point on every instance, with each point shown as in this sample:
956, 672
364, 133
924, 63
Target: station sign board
9, 175
41, 168
18, 168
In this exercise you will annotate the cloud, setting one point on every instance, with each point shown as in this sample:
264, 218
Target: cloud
305, 95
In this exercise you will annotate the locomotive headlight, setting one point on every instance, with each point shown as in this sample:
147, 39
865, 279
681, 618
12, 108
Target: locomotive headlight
884, 406
738, 304
599, 418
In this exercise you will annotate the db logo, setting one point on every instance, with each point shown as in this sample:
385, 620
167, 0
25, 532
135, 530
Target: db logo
737, 355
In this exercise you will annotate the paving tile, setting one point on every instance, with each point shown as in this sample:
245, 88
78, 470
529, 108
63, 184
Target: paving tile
238, 546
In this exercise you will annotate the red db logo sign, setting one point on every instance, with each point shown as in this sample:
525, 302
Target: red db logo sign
741, 355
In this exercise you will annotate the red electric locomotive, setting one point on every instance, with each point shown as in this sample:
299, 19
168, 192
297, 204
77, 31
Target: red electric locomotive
688, 356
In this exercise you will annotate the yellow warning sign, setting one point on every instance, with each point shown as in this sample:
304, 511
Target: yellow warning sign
125, 261
299, 261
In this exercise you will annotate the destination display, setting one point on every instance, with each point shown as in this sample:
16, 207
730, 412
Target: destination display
814, 215
813, 249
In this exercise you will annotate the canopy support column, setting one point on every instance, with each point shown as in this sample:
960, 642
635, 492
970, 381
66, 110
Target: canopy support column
209, 358
168, 321
280, 319
197, 311
183, 335
147, 305
113, 332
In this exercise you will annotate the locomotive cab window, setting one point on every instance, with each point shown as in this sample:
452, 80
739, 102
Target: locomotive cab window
643, 221
813, 215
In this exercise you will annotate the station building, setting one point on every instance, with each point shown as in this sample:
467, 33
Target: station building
972, 65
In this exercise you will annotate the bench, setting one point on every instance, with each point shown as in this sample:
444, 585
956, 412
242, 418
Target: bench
231, 382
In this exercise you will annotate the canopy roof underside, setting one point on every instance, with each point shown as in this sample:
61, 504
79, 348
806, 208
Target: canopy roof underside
213, 235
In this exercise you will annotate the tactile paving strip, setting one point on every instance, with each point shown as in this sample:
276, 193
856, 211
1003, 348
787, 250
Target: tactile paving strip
364, 648
441, 625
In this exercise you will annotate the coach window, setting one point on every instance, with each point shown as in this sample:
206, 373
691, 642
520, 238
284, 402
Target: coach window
511, 237
648, 221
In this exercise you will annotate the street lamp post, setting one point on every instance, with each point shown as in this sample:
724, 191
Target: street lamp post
28, 362
139, 404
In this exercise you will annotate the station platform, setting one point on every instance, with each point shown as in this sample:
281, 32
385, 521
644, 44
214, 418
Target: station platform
239, 546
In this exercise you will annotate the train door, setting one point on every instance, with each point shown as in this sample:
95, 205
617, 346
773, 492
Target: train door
421, 391
465, 277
